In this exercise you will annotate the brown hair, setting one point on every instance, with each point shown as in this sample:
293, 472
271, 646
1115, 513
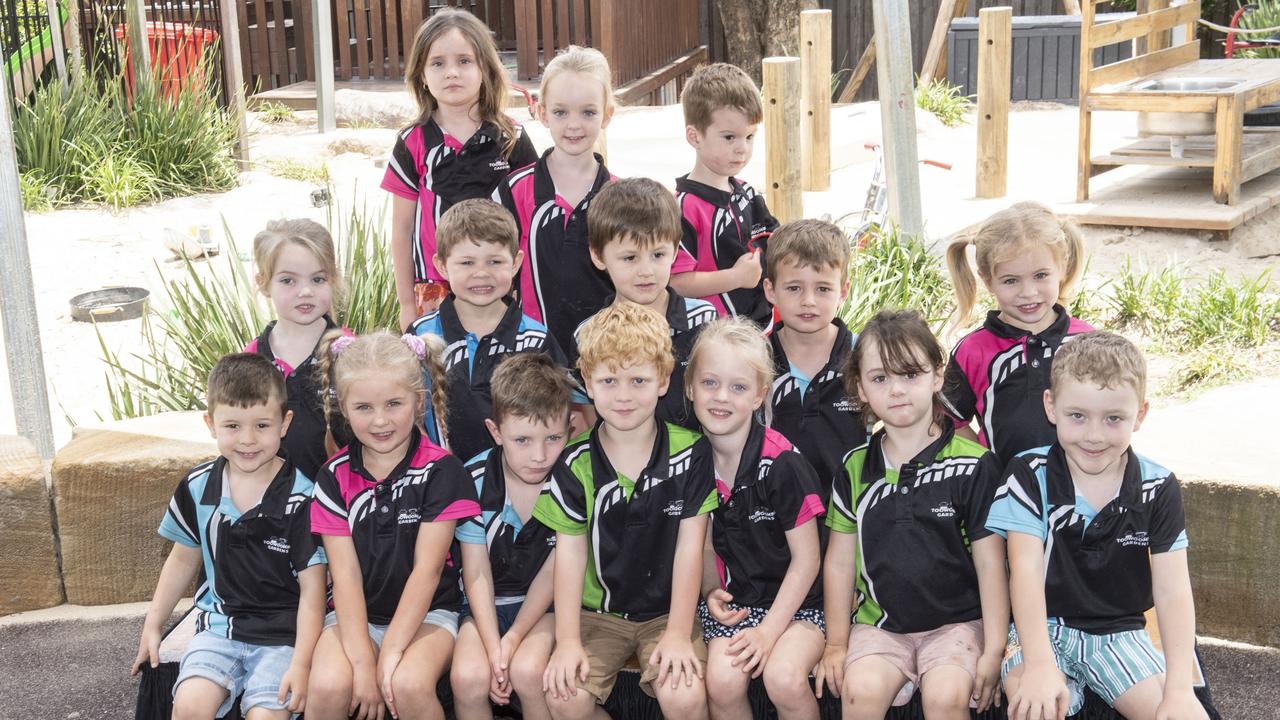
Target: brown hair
625, 334
638, 208
718, 86
529, 385
308, 234
1103, 358
747, 342
583, 61
902, 338
246, 379
494, 86
1004, 235
479, 221
808, 243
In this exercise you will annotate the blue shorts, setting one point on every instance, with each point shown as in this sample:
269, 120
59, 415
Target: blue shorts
444, 619
507, 613
249, 672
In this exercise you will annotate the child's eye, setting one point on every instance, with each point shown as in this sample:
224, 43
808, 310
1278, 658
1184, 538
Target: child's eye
1114, 419
709, 383
911, 375
521, 441
877, 378
1042, 275
1076, 416
436, 63
393, 403
589, 113
730, 138
319, 279
628, 258
751, 137
555, 438
559, 113
286, 281
1009, 281
638, 381
263, 426
739, 388
232, 426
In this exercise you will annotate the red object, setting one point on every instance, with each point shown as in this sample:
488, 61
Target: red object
177, 56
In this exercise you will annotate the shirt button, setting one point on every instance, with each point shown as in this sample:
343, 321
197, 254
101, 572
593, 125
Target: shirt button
1035, 363
384, 509
905, 489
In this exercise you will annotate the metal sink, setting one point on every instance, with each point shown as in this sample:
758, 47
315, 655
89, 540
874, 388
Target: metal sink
1177, 125
1186, 85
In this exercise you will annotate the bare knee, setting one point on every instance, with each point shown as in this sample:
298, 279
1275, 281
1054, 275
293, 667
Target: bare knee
575, 707
470, 681
688, 702
197, 699
526, 675
725, 683
328, 687
786, 682
412, 684
867, 685
945, 697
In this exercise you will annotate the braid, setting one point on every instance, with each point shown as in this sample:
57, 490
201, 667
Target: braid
324, 373
433, 364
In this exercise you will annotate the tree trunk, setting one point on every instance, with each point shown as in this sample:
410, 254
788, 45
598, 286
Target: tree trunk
756, 29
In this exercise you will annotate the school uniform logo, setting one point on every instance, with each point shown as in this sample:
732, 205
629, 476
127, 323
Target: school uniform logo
409, 516
760, 516
499, 165
843, 405
944, 509
675, 508
277, 544
1137, 538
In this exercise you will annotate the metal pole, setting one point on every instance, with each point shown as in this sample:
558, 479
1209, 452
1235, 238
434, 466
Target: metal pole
18, 299
322, 30
898, 113
135, 19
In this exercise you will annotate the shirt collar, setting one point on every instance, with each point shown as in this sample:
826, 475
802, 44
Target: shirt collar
657, 467
1056, 331
355, 455
435, 135
264, 340
839, 349
1062, 489
544, 188
713, 195
875, 465
274, 500
506, 330
749, 463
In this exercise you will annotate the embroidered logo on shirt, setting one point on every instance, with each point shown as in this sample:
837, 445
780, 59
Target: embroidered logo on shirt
277, 544
410, 516
762, 516
499, 165
1134, 539
944, 510
844, 406
675, 508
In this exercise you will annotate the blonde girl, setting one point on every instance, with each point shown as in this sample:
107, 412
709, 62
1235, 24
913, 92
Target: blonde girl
1029, 260
297, 269
460, 146
762, 609
386, 508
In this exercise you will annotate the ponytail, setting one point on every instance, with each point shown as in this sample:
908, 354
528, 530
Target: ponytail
1073, 258
962, 277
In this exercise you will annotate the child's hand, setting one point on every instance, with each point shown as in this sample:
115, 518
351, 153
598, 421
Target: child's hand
293, 687
830, 669
567, 665
1042, 694
752, 647
718, 603
674, 657
148, 651
986, 685
499, 683
1180, 704
366, 701
747, 269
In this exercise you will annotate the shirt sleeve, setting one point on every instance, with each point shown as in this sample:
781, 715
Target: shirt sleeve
562, 506
180, 523
1168, 529
450, 493
1019, 504
684, 261
403, 176
304, 549
471, 530
523, 153
793, 490
957, 393
700, 483
329, 511
688, 242
842, 515
977, 495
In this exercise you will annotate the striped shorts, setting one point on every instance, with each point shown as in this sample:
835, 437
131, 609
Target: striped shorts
1107, 664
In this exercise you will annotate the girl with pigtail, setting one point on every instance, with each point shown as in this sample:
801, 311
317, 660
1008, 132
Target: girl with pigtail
385, 508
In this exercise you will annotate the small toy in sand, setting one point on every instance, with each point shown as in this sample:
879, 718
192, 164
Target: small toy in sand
193, 243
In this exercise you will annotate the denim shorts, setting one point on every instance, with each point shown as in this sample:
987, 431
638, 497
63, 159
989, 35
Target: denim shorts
507, 613
250, 672
446, 619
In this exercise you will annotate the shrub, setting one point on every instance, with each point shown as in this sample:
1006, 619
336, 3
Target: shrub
944, 101
38, 194
896, 271
317, 173
1237, 312
1146, 299
274, 112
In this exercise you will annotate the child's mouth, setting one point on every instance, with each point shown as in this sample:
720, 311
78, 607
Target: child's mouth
384, 436
305, 309
1029, 309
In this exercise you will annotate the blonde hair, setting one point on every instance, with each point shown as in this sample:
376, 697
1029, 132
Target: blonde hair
529, 385
807, 243
494, 87
1004, 235
638, 208
1103, 358
581, 60
480, 221
747, 342
902, 339
308, 234
625, 334
718, 86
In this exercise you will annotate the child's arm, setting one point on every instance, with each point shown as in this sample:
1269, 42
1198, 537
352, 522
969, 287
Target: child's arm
179, 570
716, 597
477, 581
1176, 614
536, 602
993, 589
311, 587
402, 214
674, 654
1042, 689
838, 572
745, 273
569, 660
353, 623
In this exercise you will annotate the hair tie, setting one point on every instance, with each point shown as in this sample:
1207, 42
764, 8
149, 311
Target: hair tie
341, 343
416, 344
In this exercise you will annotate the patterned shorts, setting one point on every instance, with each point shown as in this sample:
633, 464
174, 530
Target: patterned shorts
1107, 664
711, 628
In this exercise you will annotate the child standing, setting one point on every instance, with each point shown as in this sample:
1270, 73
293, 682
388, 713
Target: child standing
478, 322
242, 521
385, 508
808, 265
298, 271
1029, 260
635, 238
908, 519
725, 221
628, 501
506, 635
763, 609
549, 199
461, 145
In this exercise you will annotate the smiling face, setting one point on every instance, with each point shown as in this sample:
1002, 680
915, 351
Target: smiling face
639, 273
248, 437
382, 413
726, 391
479, 273
725, 147
626, 397
1094, 425
452, 73
529, 446
299, 286
903, 399
573, 108
806, 297
1026, 288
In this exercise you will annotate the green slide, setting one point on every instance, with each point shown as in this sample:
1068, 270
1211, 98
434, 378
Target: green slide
35, 53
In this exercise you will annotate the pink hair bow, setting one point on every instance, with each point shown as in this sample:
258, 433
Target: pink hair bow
416, 344
340, 344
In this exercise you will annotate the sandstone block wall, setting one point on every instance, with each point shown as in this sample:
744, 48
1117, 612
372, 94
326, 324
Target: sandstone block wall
29, 577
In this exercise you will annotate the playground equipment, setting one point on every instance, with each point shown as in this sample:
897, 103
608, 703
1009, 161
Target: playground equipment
26, 65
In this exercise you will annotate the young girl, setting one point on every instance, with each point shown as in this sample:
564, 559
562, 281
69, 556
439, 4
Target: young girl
1029, 260
559, 286
385, 508
762, 613
298, 271
460, 147
912, 501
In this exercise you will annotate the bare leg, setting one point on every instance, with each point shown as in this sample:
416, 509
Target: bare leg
945, 690
726, 684
330, 684
197, 699
786, 676
413, 684
527, 666
469, 675
870, 684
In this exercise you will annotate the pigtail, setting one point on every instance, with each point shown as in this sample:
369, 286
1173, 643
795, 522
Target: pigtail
1073, 260
433, 365
324, 379
962, 277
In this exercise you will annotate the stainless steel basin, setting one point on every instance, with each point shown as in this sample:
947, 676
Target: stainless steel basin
1179, 125
1186, 85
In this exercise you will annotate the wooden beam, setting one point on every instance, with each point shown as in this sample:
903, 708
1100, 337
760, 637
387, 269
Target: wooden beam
135, 19
815, 68
935, 58
233, 77
859, 72
526, 39
55, 34
1139, 66
633, 91
322, 31
1229, 123
1109, 33
898, 115
995, 55
781, 81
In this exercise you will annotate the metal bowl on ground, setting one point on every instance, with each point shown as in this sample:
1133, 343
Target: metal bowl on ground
110, 304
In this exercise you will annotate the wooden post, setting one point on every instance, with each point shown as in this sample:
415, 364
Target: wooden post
1229, 121
322, 32
995, 49
898, 114
815, 65
135, 18
55, 34
74, 51
781, 77
233, 76
935, 58
859, 72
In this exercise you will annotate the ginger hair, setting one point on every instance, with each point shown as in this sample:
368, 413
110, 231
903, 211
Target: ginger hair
308, 234
1103, 358
625, 334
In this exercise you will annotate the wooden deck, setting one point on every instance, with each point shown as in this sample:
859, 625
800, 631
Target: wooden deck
302, 95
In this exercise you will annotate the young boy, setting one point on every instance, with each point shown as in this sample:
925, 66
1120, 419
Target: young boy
478, 253
808, 277
628, 501
506, 636
725, 221
635, 237
1094, 532
242, 519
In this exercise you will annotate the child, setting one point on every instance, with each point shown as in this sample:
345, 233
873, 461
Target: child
763, 609
241, 521
908, 518
628, 501
1029, 260
385, 508
506, 567
635, 238
480, 324
725, 221
461, 145
1095, 530
298, 271
558, 284
808, 261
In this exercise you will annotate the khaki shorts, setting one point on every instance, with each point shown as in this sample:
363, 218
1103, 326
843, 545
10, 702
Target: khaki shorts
611, 641
915, 654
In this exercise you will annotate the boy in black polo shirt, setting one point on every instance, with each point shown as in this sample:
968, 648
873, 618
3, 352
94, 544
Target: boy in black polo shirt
628, 501
1095, 531
242, 519
477, 252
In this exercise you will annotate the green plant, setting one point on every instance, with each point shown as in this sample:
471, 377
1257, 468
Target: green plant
896, 271
316, 173
38, 194
120, 181
1265, 14
944, 101
1237, 312
1146, 299
61, 131
1212, 364
274, 112
183, 137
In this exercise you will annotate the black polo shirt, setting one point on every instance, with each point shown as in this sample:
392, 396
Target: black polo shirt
633, 524
914, 527
998, 373
250, 561
382, 518
517, 549
559, 286
1097, 560
774, 491
469, 363
304, 442
820, 419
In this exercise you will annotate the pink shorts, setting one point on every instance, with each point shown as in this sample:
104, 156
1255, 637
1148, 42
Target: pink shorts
915, 654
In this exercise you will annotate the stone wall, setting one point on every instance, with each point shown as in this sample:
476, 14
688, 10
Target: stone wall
29, 577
